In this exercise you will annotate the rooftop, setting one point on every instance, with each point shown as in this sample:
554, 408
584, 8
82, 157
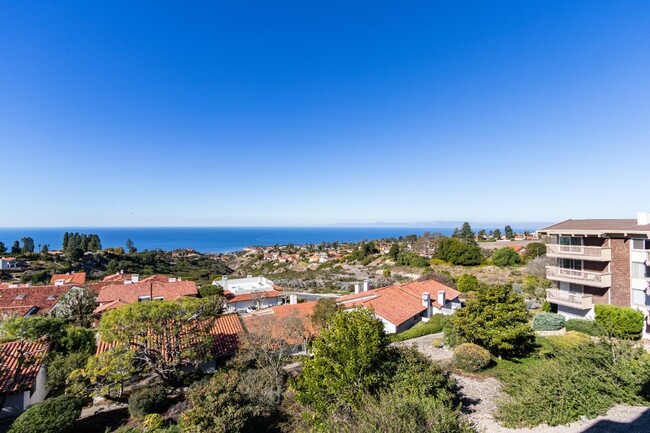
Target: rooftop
21, 362
40, 298
69, 278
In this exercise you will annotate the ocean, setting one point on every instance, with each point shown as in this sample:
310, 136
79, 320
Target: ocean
216, 239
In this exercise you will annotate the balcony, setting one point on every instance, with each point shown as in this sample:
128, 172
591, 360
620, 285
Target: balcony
587, 278
571, 300
579, 252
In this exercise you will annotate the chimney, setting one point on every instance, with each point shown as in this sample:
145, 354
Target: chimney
643, 218
224, 282
172, 279
357, 288
293, 299
249, 276
260, 279
366, 285
426, 303
121, 271
135, 278
441, 298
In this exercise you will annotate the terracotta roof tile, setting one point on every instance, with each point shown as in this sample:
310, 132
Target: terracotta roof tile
129, 293
75, 278
21, 362
42, 297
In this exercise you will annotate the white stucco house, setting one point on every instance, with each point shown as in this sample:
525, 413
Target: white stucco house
258, 292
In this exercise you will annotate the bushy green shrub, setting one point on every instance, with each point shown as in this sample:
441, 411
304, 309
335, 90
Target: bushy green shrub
147, 400
505, 257
471, 357
54, 415
620, 322
433, 326
550, 345
153, 422
585, 326
210, 290
585, 380
548, 322
467, 283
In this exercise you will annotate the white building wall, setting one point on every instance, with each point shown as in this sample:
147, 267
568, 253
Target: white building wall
573, 313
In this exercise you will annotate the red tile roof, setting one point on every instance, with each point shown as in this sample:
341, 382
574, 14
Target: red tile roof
225, 330
41, 297
129, 293
74, 278
274, 316
400, 302
21, 361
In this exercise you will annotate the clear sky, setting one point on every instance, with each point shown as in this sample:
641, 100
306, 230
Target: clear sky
318, 112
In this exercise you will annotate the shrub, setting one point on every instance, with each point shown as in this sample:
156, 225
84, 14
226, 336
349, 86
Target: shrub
585, 326
585, 380
467, 283
146, 401
548, 322
54, 415
554, 343
621, 322
210, 290
471, 357
153, 422
505, 257
433, 326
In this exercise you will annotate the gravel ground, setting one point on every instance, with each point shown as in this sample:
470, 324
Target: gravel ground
482, 393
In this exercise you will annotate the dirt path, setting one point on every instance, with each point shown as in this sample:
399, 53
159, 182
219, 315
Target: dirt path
483, 393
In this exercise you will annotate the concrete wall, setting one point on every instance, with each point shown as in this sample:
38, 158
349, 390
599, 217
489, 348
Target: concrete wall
572, 313
264, 303
18, 402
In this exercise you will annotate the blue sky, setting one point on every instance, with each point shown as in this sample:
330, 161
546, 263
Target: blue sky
311, 113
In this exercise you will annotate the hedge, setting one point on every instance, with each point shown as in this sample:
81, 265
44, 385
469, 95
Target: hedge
433, 326
54, 415
548, 322
471, 357
620, 322
146, 401
585, 326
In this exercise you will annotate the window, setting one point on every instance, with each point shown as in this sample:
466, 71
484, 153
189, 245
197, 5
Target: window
639, 270
144, 298
641, 244
570, 264
568, 240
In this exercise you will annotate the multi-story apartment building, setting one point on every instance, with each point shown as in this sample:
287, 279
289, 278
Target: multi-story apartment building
599, 261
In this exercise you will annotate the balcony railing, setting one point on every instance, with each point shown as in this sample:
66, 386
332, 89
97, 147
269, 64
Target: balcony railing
573, 300
587, 278
600, 254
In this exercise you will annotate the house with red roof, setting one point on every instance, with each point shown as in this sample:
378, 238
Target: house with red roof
403, 305
22, 376
150, 289
22, 300
71, 278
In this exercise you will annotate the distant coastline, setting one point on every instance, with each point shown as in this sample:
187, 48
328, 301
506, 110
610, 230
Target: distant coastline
225, 239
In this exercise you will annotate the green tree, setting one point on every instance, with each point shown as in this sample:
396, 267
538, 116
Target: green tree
465, 234
104, 374
467, 283
510, 234
505, 257
181, 328
324, 310
496, 235
534, 250
346, 363
3, 248
45, 250
77, 305
15, 248
481, 234
496, 319
28, 245
459, 253
394, 251
130, 246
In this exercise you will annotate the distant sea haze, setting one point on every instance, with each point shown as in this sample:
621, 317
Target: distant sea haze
220, 239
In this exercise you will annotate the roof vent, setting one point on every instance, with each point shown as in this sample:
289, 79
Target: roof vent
21, 296
51, 297
643, 218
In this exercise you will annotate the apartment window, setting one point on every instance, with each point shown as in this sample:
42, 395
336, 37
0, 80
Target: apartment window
569, 240
641, 244
570, 264
639, 270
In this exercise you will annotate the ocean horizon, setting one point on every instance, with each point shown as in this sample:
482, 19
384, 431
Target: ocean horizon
219, 239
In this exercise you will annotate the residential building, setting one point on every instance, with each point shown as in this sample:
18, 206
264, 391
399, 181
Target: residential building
77, 278
23, 300
23, 378
225, 332
156, 288
7, 263
258, 292
599, 261
403, 305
